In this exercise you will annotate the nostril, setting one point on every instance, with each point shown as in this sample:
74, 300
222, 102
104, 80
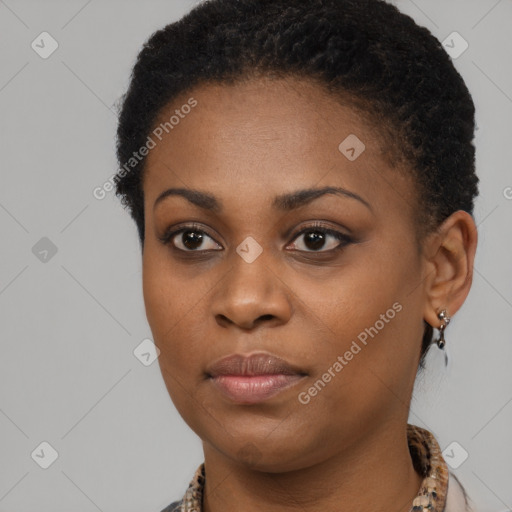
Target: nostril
265, 317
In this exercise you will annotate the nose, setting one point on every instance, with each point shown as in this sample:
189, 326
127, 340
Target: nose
252, 294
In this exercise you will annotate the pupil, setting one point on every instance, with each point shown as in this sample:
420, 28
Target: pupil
190, 238
316, 238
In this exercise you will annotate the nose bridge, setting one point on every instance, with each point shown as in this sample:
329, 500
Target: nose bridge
250, 279
251, 289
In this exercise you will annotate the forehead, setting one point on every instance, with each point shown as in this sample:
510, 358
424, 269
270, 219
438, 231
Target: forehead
266, 136
259, 111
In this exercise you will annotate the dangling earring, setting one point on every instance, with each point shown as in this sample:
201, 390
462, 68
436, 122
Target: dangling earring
443, 316
441, 342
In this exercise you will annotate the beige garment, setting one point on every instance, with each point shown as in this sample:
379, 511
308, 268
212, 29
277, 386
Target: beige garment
456, 500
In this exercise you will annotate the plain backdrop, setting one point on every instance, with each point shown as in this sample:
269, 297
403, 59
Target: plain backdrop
71, 306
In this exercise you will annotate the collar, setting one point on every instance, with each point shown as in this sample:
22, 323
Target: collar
427, 461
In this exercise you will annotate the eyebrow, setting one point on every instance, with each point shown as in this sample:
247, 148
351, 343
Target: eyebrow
285, 202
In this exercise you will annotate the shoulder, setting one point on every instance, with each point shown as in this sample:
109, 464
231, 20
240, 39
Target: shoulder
173, 507
457, 499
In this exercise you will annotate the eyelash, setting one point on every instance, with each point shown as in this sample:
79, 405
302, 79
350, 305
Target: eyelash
344, 239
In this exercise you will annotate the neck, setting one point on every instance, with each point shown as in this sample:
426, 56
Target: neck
375, 473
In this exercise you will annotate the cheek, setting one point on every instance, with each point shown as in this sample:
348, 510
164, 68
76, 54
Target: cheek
368, 286
173, 301
169, 312
371, 314
165, 303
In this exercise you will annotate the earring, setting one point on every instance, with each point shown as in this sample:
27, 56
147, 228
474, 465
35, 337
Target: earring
443, 316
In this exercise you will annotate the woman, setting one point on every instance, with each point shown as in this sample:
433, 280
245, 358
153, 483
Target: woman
302, 178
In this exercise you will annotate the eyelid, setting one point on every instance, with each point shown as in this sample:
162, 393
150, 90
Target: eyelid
321, 226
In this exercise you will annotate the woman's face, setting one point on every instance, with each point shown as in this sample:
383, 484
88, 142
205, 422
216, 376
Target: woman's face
257, 272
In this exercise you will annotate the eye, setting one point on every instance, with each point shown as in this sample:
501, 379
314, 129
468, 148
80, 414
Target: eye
316, 239
321, 239
190, 239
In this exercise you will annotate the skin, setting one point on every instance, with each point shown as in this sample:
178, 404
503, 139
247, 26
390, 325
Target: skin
246, 144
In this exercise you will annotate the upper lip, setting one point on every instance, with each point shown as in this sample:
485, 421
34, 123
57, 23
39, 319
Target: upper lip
260, 363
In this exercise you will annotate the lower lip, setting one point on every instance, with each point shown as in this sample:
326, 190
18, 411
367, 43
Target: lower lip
255, 388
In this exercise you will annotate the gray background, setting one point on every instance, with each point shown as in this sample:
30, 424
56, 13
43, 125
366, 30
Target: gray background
69, 325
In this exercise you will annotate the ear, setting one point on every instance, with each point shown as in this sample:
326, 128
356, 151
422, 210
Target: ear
449, 257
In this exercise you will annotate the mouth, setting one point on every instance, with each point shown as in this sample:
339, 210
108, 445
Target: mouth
254, 378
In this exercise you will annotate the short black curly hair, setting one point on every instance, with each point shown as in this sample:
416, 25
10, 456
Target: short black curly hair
365, 51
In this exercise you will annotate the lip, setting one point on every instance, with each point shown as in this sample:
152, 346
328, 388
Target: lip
253, 378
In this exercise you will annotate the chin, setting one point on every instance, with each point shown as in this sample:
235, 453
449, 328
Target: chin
276, 456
